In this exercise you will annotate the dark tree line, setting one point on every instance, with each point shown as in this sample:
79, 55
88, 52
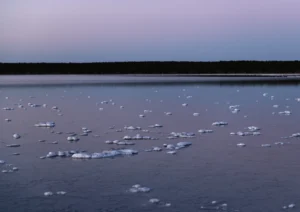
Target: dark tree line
222, 67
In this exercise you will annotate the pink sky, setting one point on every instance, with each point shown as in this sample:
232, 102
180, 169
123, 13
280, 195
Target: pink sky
118, 30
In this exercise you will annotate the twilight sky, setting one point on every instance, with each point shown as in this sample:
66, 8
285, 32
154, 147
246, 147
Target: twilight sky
148, 30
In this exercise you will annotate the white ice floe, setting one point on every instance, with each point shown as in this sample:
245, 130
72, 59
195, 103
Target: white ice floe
155, 126
138, 188
13, 145
220, 123
241, 145
275, 106
142, 116
72, 138
132, 128
266, 145
48, 193
154, 200
181, 135
45, 124
16, 136
286, 112
7, 108
7, 120
61, 192
196, 114
2, 161
205, 131
185, 104
234, 108
168, 113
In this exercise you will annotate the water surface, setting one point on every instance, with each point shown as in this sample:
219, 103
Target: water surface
252, 178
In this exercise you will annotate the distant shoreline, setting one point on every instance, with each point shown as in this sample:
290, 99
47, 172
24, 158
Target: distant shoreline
217, 69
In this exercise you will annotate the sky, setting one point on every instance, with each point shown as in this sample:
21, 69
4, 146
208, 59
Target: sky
148, 30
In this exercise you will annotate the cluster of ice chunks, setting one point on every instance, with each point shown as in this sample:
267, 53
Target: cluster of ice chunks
45, 124
234, 108
253, 130
138, 188
155, 126
215, 206
181, 135
290, 206
96, 155
72, 138
50, 193
286, 113
202, 131
219, 123
7, 108
10, 168
132, 128
33, 105
119, 142
138, 137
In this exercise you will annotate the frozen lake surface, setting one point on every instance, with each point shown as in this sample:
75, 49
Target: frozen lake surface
240, 151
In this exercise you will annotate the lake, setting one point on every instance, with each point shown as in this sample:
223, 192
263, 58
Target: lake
213, 173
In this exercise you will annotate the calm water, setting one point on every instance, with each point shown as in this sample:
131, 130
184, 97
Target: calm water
213, 168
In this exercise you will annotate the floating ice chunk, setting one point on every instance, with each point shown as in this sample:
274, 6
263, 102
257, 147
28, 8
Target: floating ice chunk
16, 136
279, 143
109, 142
232, 133
253, 128
44, 105
132, 128
81, 156
286, 112
196, 114
291, 205
121, 107
240, 133
100, 108
266, 145
51, 155
184, 144
147, 111
185, 104
275, 106
154, 200
138, 188
45, 124
156, 126
220, 123
48, 193
2, 161
158, 149
54, 108
72, 138
7, 108
168, 113
61, 193
188, 97
205, 131
168, 205
124, 143
141, 116
170, 146
295, 135
7, 120
265, 94
15, 168
241, 145
13, 145
173, 152
4, 171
